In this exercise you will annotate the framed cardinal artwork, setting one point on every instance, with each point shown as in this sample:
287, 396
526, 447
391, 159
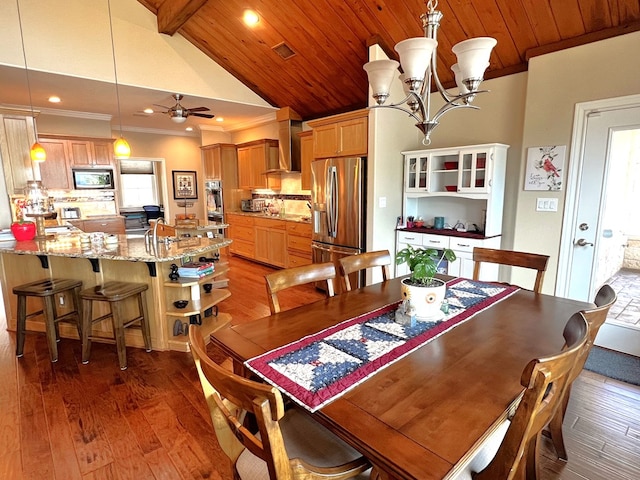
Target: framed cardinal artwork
545, 168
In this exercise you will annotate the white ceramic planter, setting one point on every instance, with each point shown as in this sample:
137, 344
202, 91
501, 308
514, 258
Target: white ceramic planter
425, 301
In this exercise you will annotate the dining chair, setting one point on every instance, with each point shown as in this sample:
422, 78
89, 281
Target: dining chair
515, 259
511, 451
291, 277
356, 263
595, 317
287, 444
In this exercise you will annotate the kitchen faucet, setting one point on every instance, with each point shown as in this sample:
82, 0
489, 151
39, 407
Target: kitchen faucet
151, 235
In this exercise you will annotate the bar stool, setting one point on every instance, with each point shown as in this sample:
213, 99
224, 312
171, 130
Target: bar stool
47, 289
115, 293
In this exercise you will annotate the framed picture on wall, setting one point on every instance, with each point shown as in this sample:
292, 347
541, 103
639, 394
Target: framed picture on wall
185, 185
545, 168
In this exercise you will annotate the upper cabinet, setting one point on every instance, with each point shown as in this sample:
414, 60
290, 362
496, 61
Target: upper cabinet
341, 135
254, 158
16, 136
306, 157
65, 153
221, 163
473, 170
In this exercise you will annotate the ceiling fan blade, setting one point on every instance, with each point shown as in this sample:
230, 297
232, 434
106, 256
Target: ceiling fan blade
204, 115
163, 106
199, 109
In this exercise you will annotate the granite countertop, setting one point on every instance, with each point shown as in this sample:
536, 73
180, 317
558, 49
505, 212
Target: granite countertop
128, 248
287, 217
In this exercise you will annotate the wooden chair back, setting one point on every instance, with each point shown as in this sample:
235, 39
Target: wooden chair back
290, 277
595, 317
355, 263
515, 259
230, 397
544, 380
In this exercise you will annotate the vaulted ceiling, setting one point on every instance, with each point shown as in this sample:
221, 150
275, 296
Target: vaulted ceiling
329, 39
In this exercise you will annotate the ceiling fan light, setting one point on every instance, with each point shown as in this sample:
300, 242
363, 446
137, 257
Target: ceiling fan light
415, 56
381, 74
178, 119
121, 148
38, 153
473, 57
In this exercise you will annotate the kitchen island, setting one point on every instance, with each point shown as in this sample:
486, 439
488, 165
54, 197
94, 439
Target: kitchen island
124, 258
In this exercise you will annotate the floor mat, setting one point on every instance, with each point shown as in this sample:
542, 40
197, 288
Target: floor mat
616, 365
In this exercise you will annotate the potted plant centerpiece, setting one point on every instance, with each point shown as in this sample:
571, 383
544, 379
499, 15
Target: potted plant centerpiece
422, 290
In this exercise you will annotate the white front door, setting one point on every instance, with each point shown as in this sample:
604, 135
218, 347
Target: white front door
595, 210
584, 231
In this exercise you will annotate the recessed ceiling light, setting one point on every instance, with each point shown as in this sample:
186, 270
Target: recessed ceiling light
189, 129
148, 110
54, 99
219, 119
250, 18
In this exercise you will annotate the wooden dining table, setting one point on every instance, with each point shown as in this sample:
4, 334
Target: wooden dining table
426, 414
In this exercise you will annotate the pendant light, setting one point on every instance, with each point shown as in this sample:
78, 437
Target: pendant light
120, 147
37, 152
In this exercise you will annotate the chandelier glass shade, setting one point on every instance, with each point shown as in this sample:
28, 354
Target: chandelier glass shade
418, 58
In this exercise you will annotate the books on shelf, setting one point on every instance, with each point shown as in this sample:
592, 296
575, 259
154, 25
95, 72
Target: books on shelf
196, 269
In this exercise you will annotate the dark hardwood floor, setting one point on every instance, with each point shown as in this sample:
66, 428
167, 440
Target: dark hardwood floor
72, 421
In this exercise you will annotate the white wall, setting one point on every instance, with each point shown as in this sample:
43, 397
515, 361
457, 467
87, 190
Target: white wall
71, 37
556, 83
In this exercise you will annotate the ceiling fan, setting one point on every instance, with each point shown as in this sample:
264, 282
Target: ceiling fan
179, 114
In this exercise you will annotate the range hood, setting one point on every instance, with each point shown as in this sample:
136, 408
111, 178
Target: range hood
289, 126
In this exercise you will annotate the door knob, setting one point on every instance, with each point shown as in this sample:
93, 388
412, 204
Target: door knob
581, 242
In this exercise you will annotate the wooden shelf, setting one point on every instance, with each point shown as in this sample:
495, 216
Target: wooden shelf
209, 325
220, 269
195, 307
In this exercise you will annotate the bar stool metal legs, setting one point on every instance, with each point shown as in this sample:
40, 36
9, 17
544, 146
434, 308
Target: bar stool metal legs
47, 289
115, 293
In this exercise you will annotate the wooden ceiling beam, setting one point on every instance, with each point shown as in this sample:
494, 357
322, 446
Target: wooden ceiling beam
172, 15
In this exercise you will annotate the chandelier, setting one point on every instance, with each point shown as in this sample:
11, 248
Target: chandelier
418, 58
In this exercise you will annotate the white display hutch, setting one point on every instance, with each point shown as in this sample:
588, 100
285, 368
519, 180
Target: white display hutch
465, 185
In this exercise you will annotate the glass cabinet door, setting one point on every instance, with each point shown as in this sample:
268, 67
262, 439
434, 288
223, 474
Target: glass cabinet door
473, 172
416, 173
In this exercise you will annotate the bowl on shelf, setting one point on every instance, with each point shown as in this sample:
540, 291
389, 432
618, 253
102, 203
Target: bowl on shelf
207, 287
451, 188
450, 165
180, 303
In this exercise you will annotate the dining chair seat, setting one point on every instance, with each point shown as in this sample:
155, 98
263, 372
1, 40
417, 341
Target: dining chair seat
305, 439
511, 258
291, 277
355, 263
287, 444
511, 451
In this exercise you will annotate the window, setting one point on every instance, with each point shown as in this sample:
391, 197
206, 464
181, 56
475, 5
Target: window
138, 184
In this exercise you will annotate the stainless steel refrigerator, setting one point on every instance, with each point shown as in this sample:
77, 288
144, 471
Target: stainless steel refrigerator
338, 197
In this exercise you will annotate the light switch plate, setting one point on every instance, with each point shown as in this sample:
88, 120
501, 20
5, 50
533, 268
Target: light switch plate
382, 202
546, 204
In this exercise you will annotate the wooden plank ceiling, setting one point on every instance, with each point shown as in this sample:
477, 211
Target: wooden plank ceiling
329, 39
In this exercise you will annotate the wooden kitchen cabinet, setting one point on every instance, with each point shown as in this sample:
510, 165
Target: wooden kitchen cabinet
271, 241
298, 244
241, 231
55, 171
65, 153
341, 135
221, 163
16, 137
306, 157
254, 158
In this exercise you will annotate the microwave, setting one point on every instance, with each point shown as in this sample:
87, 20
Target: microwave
92, 178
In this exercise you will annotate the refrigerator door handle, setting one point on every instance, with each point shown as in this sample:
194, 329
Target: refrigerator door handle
334, 194
327, 200
337, 250
320, 247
